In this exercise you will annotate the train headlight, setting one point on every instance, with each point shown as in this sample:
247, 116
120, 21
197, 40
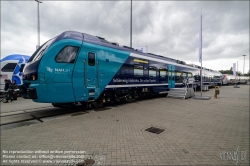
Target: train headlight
33, 77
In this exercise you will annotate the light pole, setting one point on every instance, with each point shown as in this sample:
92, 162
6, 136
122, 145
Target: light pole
237, 71
244, 64
131, 25
38, 24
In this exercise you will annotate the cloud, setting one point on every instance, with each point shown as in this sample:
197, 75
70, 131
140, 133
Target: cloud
168, 28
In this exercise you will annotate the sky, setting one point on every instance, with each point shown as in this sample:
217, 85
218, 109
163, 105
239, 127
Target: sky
167, 28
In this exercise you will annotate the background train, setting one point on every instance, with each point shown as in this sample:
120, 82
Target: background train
243, 79
11, 68
229, 79
76, 67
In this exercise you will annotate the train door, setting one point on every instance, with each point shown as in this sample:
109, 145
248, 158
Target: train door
171, 76
91, 74
85, 77
90, 70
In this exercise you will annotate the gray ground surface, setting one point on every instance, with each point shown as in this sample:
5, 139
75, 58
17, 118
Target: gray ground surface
197, 132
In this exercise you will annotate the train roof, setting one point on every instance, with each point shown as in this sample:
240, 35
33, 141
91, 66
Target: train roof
14, 57
102, 41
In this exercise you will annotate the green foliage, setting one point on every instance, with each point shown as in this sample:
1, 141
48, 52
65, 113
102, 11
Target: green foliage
247, 74
226, 71
239, 73
231, 72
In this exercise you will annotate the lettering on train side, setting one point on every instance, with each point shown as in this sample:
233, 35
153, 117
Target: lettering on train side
58, 70
133, 80
62, 70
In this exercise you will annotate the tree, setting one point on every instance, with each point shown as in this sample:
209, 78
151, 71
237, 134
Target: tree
247, 74
239, 73
226, 71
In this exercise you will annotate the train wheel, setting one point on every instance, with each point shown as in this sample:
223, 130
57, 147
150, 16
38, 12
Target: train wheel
129, 99
97, 104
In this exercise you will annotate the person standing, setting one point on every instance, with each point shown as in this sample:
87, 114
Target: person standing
6, 89
13, 87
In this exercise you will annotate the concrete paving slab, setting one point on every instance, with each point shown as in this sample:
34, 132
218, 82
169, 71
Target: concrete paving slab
22, 104
15, 118
196, 132
15, 125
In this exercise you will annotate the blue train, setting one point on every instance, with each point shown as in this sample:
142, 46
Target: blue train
76, 67
11, 68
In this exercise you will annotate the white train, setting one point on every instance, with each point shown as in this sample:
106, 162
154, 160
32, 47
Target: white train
11, 68
243, 79
228, 79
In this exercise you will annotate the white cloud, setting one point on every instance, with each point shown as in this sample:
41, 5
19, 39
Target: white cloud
168, 28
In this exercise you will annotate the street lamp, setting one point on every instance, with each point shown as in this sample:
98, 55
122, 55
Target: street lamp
131, 25
38, 24
244, 64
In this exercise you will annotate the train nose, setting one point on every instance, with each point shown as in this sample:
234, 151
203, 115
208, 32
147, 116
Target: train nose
31, 92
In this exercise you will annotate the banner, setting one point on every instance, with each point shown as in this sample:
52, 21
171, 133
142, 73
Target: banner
234, 69
200, 41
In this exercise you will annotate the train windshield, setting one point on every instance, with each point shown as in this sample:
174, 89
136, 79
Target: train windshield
39, 52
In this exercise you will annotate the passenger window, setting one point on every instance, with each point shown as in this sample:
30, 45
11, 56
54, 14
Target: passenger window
178, 74
163, 73
138, 71
9, 67
91, 59
126, 70
152, 71
67, 55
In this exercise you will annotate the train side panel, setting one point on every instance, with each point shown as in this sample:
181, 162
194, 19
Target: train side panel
91, 76
140, 72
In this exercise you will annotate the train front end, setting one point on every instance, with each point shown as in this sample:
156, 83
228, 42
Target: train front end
47, 77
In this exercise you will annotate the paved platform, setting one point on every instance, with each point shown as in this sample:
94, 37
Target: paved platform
21, 104
197, 132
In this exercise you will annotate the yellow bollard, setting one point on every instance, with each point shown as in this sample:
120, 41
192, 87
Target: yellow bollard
216, 91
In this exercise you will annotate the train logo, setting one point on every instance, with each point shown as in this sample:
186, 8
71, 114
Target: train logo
49, 69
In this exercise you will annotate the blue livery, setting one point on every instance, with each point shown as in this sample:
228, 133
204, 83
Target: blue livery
15, 57
11, 67
17, 73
